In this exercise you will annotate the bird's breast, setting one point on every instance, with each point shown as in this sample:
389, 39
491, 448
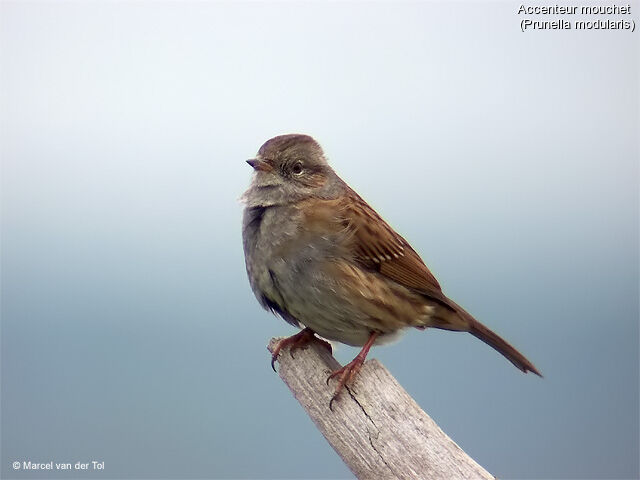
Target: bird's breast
272, 248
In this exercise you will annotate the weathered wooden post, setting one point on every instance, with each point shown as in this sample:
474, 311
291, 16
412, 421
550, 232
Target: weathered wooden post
378, 430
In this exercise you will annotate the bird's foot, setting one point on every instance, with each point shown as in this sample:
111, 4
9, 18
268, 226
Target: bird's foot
347, 373
301, 339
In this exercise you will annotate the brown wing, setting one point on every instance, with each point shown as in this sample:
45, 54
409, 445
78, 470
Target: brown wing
377, 246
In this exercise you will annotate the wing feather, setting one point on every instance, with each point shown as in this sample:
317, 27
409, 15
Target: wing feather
376, 245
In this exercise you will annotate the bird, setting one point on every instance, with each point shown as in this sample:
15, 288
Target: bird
320, 257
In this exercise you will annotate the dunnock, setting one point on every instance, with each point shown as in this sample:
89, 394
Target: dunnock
319, 256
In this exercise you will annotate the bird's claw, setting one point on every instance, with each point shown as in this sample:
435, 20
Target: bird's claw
346, 373
299, 340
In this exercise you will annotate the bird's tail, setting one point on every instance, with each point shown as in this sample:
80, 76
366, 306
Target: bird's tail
454, 317
491, 338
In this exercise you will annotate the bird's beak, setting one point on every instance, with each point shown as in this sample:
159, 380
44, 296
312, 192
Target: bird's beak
260, 165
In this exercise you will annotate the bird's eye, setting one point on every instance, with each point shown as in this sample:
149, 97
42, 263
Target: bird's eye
297, 168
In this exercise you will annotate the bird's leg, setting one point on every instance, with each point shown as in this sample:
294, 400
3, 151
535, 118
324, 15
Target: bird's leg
349, 371
299, 340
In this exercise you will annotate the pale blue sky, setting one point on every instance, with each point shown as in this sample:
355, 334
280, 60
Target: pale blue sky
508, 159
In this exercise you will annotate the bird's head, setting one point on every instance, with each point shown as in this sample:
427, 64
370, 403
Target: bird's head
287, 169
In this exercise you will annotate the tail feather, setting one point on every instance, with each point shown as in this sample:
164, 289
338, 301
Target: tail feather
491, 338
451, 316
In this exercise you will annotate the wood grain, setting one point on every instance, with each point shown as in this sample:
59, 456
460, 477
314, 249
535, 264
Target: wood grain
377, 429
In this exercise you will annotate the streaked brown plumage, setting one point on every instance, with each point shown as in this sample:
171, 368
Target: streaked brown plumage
322, 258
